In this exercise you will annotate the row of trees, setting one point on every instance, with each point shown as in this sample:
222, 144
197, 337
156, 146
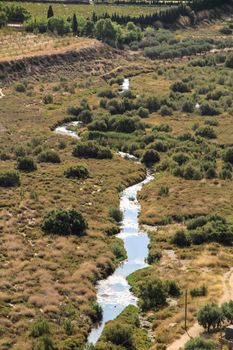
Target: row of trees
212, 316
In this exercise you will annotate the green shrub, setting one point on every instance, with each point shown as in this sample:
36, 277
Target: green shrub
163, 191
68, 326
173, 289
9, 179
165, 111
26, 164
162, 128
188, 107
64, 222
152, 293
199, 292
225, 174
150, 157
119, 250
47, 99
20, 87
49, 156
40, 327
229, 61
228, 156
108, 93
143, 112
43, 343
85, 116
91, 149
181, 158
206, 132
208, 109
77, 172
181, 87
154, 256
181, 239
116, 214
199, 344
118, 334
98, 312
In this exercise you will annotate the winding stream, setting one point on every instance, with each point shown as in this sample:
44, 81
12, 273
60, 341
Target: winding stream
113, 293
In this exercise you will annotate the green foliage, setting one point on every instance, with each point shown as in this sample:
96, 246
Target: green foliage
181, 87
64, 222
210, 316
48, 99
77, 172
163, 191
58, 25
143, 112
207, 132
150, 157
229, 61
74, 25
91, 149
49, 156
26, 164
98, 312
20, 87
40, 327
228, 155
152, 293
199, 343
116, 214
199, 292
154, 255
118, 334
181, 239
43, 343
106, 31
9, 179
188, 107
119, 250
68, 326
173, 289
208, 109
50, 12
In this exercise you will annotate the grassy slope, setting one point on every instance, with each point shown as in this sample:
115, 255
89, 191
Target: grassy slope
43, 274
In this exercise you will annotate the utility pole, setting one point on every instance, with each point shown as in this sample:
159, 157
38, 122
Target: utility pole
186, 310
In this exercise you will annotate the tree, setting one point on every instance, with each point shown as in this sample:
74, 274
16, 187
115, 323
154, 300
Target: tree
50, 12
199, 344
88, 29
105, 31
74, 25
210, 315
64, 222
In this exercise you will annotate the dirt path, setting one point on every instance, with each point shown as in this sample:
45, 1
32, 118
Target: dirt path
196, 329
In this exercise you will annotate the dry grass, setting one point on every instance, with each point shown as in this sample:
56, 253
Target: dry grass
20, 44
185, 198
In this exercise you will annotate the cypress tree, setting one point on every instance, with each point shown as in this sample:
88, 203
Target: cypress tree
74, 25
50, 12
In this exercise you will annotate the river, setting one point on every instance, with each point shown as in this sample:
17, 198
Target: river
113, 293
